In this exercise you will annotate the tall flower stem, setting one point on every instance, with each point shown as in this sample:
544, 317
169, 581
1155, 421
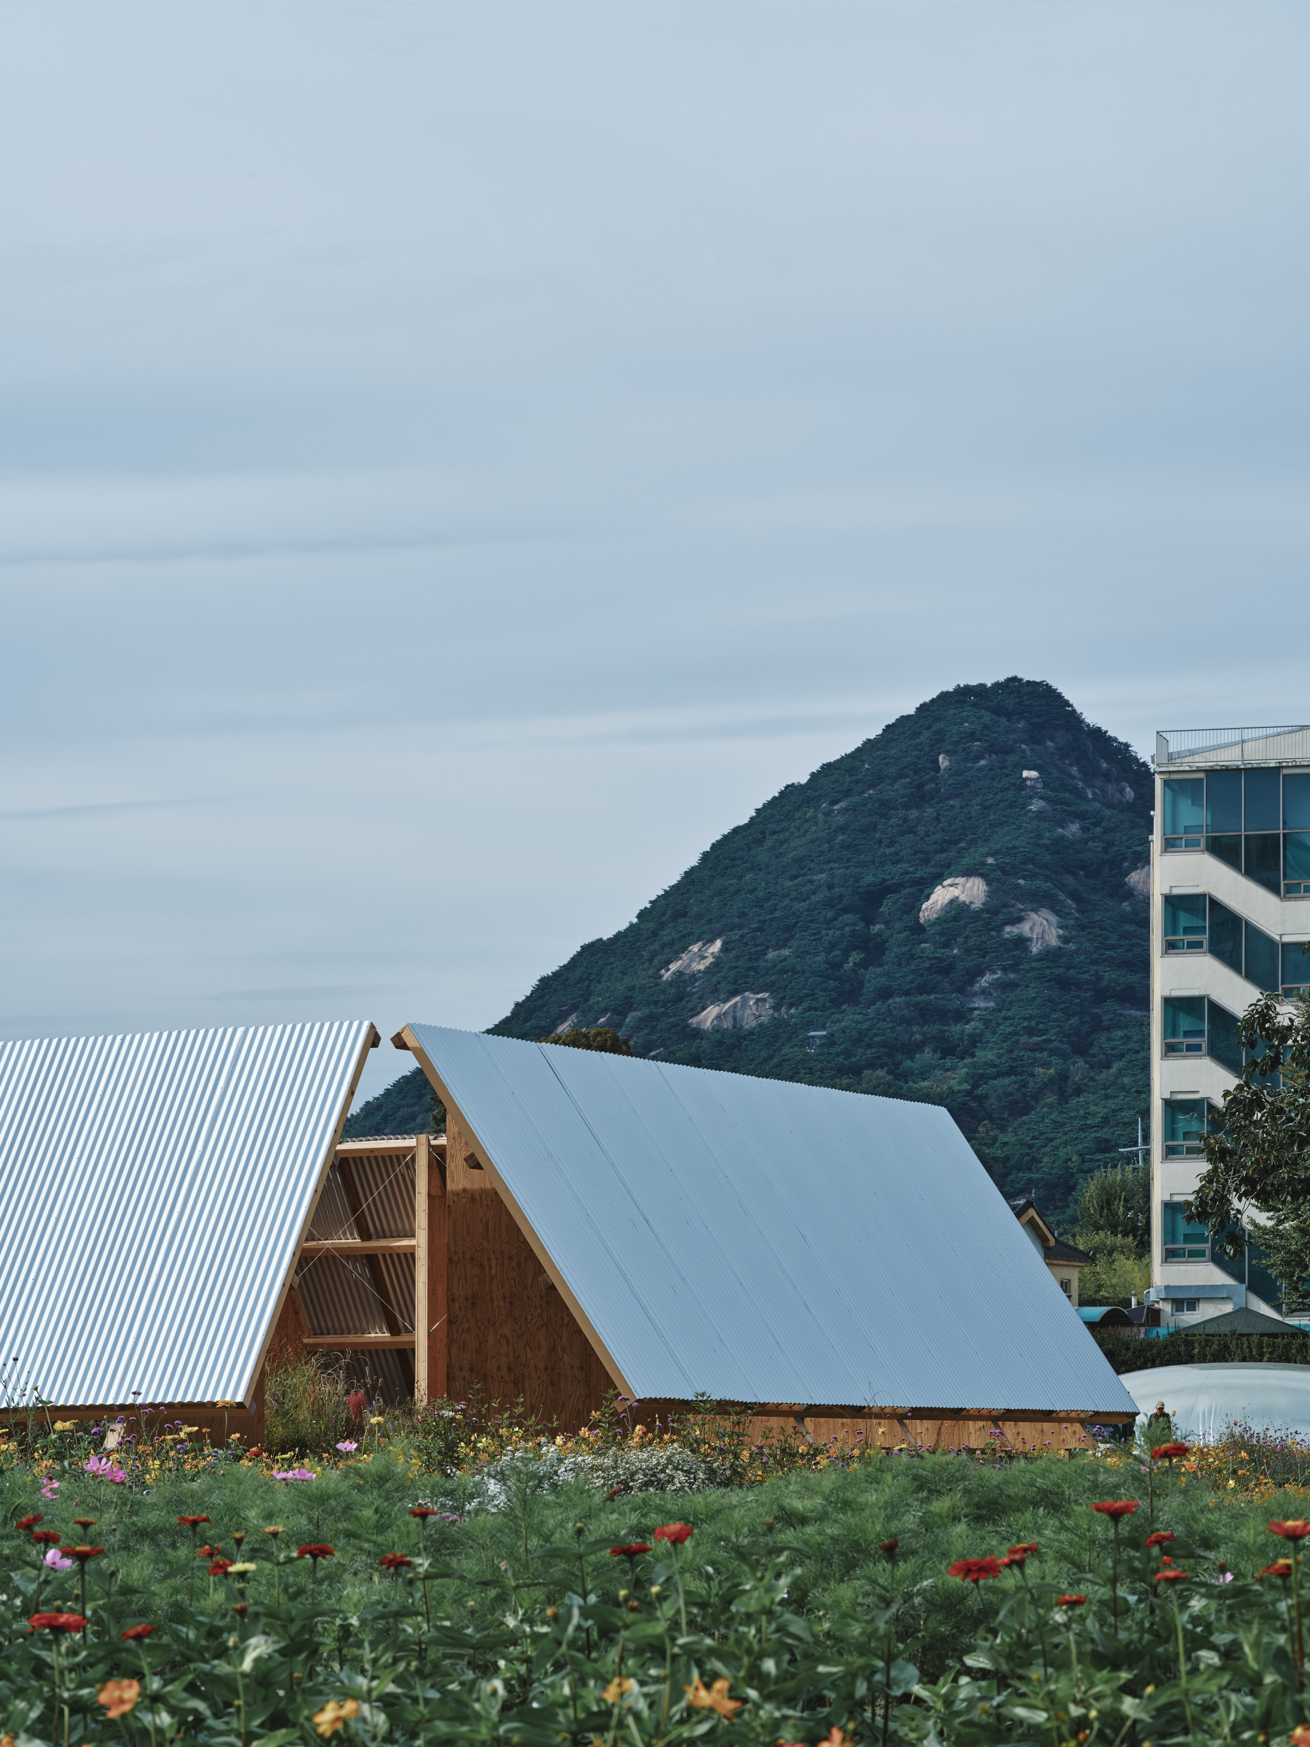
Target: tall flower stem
1114, 1577
1298, 1656
1182, 1667
677, 1577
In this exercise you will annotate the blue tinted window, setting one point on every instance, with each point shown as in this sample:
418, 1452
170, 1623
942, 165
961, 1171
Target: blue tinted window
1263, 802
1225, 936
1184, 1017
1224, 1047
1296, 855
1227, 849
1296, 801
1223, 800
1262, 967
1184, 1121
1262, 860
1184, 805
1185, 915
1181, 1231
1296, 964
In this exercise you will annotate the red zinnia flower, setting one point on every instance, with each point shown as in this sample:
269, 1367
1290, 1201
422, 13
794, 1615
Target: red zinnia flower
220, 1568
393, 1561
25, 1523
1159, 1538
315, 1550
209, 1552
974, 1570
1071, 1601
1170, 1575
674, 1533
888, 1546
1113, 1507
84, 1522
136, 1632
630, 1551
192, 1522
1026, 1548
1296, 1530
56, 1623
1279, 1568
423, 1510
81, 1552
47, 1537
1169, 1451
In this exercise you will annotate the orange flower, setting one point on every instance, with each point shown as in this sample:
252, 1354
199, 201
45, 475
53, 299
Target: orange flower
393, 1561
1296, 1530
1071, 1601
1167, 1452
1279, 1568
1158, 1539
1116, 1507
336, 1713
1300, 1736
715, 1698
136, 1632
119, 1696
616, 1689
1170, 1574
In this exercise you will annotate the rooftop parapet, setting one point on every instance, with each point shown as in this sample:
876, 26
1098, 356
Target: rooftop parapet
1195, 748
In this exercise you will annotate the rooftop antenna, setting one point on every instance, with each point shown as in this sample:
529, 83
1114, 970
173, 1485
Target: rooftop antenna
1140, 1150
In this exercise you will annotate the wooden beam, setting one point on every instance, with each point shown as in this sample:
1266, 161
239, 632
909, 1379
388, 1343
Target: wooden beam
349, 1246
399, 1145
348, 1343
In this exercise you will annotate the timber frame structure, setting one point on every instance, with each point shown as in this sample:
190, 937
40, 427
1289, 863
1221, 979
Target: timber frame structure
501, 1318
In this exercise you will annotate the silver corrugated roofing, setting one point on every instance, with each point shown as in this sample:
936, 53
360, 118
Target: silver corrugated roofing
764, 1241
154, 1191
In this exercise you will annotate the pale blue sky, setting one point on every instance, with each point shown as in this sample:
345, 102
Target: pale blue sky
455, 462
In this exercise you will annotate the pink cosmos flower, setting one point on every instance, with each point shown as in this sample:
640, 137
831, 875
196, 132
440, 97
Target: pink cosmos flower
56, 1562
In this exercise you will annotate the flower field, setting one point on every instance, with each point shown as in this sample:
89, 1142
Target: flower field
224, 1598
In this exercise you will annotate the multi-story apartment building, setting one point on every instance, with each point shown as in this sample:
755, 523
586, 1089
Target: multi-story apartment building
1230, 915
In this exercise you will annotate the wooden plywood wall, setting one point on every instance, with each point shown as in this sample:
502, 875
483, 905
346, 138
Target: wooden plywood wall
510, 1331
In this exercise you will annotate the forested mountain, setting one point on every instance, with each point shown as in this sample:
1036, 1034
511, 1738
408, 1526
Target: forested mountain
955, 912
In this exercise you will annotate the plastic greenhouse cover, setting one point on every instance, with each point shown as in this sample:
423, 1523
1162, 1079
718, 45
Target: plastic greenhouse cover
1203, 1399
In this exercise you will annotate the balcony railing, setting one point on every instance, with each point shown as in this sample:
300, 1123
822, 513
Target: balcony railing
1198, 747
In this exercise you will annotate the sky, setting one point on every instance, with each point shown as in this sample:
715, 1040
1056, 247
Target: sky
455, 462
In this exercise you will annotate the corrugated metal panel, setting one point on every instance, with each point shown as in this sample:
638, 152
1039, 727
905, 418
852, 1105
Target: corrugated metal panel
765, 1241
154, 1189
337, 1296
332, 1216
386, 1192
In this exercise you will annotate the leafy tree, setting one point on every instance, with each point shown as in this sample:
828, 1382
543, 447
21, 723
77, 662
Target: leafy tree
601, 1037
1117, 1272
1259, 1158
1115, 1200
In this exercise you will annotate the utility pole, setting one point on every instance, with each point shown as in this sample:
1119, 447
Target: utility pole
1140, 1150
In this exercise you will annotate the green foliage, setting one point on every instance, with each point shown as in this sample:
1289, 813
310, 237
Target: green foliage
1261, 1155
1042, 1057
1115, 1201
601, 1037
1138, 1353
307, 1404
1117, 1273
407, 1106
514, 1624
1285, 1241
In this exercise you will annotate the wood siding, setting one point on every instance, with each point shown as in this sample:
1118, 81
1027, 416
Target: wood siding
510, 1330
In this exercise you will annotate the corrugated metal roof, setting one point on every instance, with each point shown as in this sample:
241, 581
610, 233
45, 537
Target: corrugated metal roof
154, 1190
764, 1241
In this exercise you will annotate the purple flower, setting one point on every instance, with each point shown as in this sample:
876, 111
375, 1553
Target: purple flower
296, 1474
347, 1446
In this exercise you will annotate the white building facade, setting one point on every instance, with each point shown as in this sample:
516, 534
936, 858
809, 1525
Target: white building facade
1230, 916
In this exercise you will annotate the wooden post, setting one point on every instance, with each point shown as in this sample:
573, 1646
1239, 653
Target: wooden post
420, 1268
430, 1239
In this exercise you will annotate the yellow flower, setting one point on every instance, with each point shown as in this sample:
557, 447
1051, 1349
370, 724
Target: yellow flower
247, 1566
377, 1420
715, 1699
336, 1713
119, 1696
189, 1431
616, 1689
65, 1425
